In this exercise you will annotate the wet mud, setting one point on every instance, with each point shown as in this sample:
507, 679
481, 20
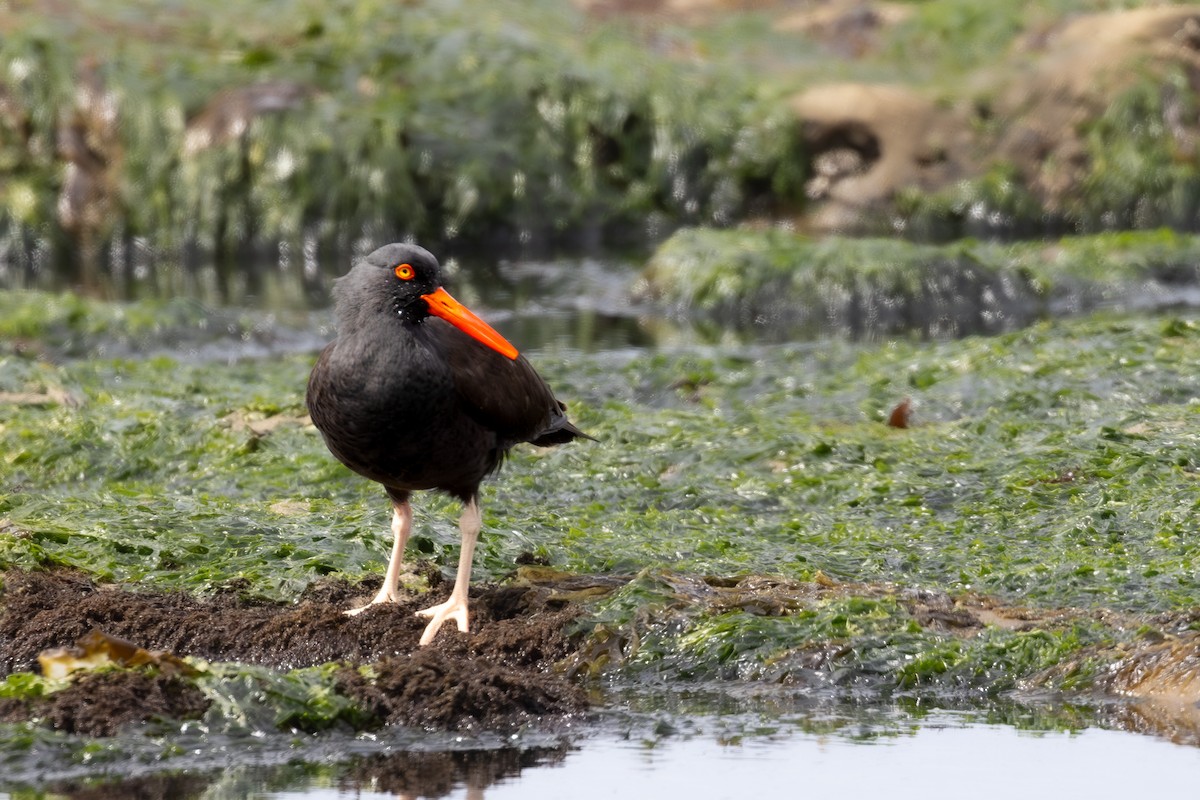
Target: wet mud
518, 665
503, 672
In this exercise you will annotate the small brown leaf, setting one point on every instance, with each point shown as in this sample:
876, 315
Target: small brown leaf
900, 414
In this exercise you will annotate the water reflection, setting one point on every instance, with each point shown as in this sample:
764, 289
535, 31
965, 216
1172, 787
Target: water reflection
892, 753
438, 774
983, 762
149, 787
404, 774
594, 304
583, 304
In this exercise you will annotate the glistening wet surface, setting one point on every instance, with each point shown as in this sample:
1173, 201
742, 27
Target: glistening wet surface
945, 749
895, 754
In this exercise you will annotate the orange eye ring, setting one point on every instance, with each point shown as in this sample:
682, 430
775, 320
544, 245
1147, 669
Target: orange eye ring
405, 272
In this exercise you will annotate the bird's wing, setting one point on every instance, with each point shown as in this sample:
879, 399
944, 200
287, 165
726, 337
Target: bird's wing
502, 394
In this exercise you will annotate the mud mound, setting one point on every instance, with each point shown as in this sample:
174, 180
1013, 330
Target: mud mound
429, 688
102, 703
500, 673
53, 609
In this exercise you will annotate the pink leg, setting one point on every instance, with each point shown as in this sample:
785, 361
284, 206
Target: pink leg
401, 527
455, 607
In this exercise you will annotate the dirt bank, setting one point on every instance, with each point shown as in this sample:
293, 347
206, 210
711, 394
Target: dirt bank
502, 673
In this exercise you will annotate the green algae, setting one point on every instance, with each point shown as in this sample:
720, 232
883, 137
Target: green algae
1027, 447
1053, 467
250, 699
844, 641
1044, 430
27, 685
176, 476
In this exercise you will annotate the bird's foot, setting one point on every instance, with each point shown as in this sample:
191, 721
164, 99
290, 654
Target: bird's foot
384, 596
455, 608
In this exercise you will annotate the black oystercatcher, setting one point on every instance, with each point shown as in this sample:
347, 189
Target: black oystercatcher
417, 392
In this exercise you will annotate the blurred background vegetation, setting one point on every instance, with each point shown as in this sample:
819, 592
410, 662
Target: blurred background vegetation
285, 134
289, 128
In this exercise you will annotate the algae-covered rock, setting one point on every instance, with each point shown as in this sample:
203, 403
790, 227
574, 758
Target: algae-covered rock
280, 133
776, 281
1061, 82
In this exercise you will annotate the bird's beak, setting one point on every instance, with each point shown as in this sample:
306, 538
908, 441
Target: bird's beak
441, 304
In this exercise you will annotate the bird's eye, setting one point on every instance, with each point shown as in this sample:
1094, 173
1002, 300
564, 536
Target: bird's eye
405, 272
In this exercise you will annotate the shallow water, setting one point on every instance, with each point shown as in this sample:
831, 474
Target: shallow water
579, 304
945, 750
896, 755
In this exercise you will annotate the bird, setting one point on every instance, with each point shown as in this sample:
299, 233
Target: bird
416, 392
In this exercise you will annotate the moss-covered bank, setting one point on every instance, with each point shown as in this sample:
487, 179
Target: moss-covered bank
261, 135
273, 130
779, 284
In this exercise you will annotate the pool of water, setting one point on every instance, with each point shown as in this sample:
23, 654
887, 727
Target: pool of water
944, 751
891, 754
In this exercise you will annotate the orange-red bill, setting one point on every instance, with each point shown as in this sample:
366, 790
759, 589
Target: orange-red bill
441, 304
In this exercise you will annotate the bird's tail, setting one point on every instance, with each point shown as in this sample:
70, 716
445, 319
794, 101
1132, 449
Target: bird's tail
560, 431
561, 434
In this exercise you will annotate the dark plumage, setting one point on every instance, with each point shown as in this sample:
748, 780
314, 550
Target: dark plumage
416, 392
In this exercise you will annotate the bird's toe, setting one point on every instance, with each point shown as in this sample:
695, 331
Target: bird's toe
438, 615
384, 596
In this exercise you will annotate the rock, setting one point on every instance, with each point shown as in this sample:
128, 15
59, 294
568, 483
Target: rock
870, 141
849, 27
1031, 113
1061, 79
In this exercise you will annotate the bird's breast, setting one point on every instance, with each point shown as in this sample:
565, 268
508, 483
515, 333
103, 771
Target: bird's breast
393, 414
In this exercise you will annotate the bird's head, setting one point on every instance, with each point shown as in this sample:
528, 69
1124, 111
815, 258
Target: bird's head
412, 279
